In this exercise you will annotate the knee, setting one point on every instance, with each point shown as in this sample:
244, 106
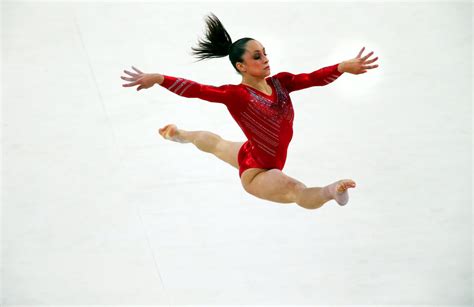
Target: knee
295, 189
291, 192
273, 186
207, 141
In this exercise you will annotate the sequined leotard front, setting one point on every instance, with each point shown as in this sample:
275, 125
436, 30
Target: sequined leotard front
266, 120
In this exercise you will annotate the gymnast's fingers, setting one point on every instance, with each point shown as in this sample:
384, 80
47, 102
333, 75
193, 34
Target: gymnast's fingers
127, 79
369, 66
131, 84
367, 56
371, 61
130, 73
137, 70
360, 52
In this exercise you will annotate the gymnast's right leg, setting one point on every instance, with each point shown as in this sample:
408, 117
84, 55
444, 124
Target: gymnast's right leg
205, 141
276, 186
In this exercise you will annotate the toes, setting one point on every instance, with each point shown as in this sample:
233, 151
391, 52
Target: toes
165, 128
345, 184
341, 188
350, 183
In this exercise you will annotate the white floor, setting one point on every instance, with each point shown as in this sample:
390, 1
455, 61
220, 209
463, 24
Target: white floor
98, 209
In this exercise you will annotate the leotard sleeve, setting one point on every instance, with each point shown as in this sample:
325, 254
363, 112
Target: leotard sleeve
320, 77
190, 89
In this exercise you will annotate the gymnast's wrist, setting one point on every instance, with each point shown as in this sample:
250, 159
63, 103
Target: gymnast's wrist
158, 78
340, 67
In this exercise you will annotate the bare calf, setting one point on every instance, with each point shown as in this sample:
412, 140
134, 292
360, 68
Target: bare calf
276, 186
205, 141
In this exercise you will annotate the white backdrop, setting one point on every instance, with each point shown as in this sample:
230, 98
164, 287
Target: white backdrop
97, 208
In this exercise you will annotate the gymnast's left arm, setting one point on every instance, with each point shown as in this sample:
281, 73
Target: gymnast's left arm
319, 77
326, 75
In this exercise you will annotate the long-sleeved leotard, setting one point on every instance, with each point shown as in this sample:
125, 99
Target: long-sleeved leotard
266, 120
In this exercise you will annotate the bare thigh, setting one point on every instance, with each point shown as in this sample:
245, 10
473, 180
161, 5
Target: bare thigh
268, 184
228, 151
271, 184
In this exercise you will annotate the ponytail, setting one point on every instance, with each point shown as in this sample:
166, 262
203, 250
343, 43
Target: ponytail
219, 43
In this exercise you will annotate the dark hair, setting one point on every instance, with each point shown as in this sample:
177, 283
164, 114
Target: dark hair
219, 44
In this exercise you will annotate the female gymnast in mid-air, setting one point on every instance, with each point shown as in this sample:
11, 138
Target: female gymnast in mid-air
262, 107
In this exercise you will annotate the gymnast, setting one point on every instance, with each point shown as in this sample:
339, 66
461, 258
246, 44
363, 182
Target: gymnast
262, 108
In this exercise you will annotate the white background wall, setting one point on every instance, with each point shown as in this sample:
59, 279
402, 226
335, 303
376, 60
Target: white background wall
97, 208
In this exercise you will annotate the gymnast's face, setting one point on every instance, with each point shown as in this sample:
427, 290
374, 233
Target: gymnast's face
255, 61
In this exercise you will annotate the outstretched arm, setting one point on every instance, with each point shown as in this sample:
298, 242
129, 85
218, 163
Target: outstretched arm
326, 75
191, 89
179, 86
319, 77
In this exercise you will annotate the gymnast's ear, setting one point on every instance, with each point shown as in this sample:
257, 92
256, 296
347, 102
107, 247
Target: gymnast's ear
241, 67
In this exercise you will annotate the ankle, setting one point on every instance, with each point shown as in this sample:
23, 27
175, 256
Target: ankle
184, 135
312, 198
326, 193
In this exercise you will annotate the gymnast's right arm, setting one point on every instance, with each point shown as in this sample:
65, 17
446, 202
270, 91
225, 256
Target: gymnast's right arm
188, 88
179, 86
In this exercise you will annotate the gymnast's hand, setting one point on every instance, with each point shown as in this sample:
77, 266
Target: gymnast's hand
358, 65
142, 79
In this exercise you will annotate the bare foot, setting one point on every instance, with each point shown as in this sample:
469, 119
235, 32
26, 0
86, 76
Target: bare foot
338, 190
343, 185
171, 132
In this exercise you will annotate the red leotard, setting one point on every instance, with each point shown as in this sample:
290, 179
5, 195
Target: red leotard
266, 120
